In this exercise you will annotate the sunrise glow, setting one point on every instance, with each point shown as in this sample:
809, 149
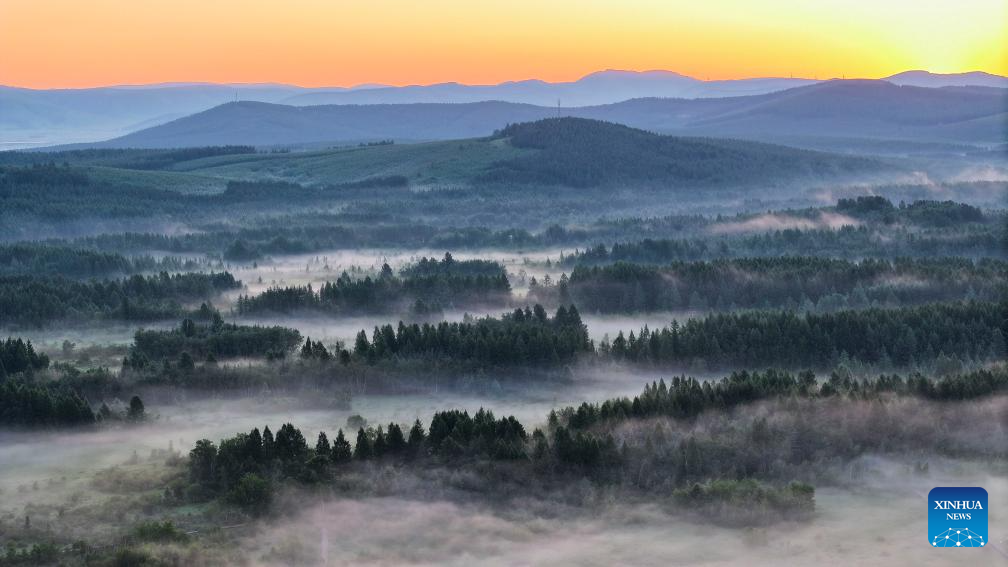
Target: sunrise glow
68, 43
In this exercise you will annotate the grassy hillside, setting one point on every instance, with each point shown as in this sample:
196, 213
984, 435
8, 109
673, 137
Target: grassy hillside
426, 164
263, 124
573, 152
206, 170
161, 180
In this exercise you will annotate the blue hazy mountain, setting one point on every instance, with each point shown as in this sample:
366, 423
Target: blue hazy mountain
604, 87
31, 117
853, 109
918, 78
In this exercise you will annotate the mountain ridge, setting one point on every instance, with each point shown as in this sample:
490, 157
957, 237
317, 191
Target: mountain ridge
867, 109
40, 117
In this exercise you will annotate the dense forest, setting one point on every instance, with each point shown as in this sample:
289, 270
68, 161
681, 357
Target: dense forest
37, 300
807, 283
24, 404
966, 331
449, 266
49, 405
846, 242
53, 195
78, 262
425, 288
214, 339
685, 397
522, 337
412, 222
582, 443
930, 213
958, 335
18, 355
48, 199
244, 470
29, 399
63, 193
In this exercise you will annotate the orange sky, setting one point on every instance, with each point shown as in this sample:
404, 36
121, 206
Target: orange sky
80, 43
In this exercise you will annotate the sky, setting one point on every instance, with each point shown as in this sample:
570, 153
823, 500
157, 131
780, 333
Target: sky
85, 43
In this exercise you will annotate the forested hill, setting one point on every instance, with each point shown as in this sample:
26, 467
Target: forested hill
580, 152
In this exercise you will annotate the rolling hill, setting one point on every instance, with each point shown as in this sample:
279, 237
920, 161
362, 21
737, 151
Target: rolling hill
577, 152
854, 109
264, 124
572, 152
39, 117
33, 118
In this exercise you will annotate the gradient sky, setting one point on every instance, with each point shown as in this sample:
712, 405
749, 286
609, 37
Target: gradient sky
81, 43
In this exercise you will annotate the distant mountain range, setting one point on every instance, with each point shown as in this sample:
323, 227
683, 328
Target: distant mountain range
605, 87
48, 117
852, 109
44, 117
926, 79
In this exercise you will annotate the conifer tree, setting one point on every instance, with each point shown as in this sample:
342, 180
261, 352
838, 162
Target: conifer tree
362, 448
322, 447
341, 450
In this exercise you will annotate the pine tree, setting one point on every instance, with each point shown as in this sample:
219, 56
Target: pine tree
362, 348
416, 437
136, 409
341, 451
379, 447
268, 444
362, 449
322, 447
395, 440
290, 444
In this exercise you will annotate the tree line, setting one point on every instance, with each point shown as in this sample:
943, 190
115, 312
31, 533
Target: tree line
213, 339
25, 404
926, 212
590, 442
846, 242
424, 289
33, 404
793, 282
676, 238
522, 337
449, 266
79, 262
19, 356
942, 336
37, 299
686, 397
243, 469
972, 330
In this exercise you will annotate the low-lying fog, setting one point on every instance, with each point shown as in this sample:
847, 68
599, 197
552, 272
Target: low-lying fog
881, 523
318, 267
331, 330
320, 327
878, 519
185, 421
